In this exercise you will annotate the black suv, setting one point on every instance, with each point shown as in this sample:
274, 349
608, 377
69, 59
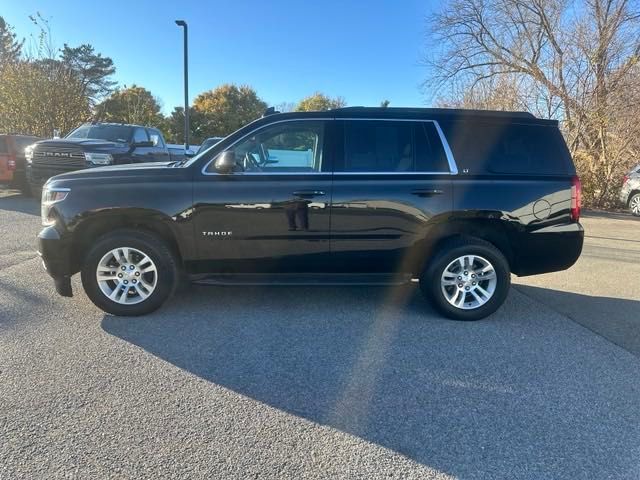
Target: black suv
456, 199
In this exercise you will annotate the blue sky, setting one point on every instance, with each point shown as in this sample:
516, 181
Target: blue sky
365, 51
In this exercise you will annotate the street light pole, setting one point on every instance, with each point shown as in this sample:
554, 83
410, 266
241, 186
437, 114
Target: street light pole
183, 24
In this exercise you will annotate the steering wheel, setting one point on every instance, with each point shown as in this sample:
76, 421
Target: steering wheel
249, 160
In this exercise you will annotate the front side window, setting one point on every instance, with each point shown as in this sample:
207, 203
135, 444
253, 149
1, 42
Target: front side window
294, 147
392, 147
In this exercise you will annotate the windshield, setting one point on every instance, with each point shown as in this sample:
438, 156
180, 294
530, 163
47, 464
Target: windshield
111, 133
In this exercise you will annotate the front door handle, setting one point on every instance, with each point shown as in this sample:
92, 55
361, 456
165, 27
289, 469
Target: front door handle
427, 192
308, 193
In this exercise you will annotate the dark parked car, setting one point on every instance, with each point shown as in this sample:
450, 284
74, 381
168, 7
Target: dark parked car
94, 145
12, 160
455, 199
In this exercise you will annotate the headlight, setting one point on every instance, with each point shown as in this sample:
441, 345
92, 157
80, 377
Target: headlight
98, 158
28, 153
51, 195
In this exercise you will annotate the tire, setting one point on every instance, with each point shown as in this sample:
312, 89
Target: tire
634, 204
441, 289
150, 282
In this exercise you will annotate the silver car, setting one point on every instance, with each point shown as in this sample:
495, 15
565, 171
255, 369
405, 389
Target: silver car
630, 193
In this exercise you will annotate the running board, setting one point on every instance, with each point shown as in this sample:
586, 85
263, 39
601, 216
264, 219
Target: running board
303, 279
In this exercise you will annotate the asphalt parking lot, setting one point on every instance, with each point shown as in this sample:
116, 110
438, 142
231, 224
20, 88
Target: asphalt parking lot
324, 382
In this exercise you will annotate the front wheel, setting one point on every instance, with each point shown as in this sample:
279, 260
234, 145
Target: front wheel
129, 273
634, 205
468, 279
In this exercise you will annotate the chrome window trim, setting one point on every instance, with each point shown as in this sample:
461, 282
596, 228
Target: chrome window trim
453, 167
392, 173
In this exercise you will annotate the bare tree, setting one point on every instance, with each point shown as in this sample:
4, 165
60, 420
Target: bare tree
569, 60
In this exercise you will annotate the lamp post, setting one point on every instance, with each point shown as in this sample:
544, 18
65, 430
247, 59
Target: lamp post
183, 24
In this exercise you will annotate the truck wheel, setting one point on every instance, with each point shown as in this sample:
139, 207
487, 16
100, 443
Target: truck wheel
634, 205
129, 273
468, 279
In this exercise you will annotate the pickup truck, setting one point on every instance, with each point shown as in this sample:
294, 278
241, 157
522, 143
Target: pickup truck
94, 145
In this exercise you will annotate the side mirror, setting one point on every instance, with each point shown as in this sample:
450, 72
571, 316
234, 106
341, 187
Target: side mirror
226, 162
142, 144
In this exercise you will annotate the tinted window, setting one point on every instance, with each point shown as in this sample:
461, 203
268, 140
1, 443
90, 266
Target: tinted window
3, 144
388, 146
508, 148
285, 147
430, 154
111, 133
378, 146
140, 135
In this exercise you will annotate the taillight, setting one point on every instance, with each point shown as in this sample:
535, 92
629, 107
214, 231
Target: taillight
625, 179
576, 198
11, 163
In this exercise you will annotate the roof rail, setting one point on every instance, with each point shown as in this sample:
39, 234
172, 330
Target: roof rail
436, 111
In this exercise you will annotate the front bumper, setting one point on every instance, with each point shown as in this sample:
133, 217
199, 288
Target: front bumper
55, 252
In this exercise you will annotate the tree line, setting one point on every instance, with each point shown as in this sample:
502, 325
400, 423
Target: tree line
577, 61
44, 89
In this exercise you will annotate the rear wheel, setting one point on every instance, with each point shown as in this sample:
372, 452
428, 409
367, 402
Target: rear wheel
468, 279
634, 204
129, 273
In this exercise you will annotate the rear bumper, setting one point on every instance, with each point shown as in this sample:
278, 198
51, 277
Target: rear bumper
55, 252
549, 249
623, 196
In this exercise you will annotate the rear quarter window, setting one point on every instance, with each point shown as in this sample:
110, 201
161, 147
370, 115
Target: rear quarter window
508, 148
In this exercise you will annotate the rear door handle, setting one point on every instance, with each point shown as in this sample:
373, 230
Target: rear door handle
308, 193
427, 192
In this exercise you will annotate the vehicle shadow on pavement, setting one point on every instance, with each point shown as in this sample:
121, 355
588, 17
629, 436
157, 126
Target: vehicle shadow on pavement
21, 204
524, 393
616, 319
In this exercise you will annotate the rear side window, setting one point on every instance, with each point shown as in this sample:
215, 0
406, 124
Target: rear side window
508, 148
3, 145
392, 146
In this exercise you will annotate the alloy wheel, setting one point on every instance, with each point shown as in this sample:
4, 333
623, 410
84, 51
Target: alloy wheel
468, 282
126, 275
634, 205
